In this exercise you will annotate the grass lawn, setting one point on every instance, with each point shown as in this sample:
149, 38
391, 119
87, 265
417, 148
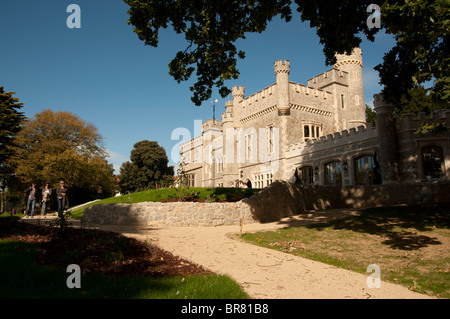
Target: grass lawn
33, 262
156, 195
410, 244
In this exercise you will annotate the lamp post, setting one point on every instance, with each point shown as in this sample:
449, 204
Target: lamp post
214, 110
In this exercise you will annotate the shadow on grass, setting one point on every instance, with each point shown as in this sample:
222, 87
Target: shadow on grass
398, 224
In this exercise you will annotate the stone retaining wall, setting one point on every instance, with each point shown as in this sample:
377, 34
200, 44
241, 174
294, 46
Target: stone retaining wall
281, 199
169, 214
284, 199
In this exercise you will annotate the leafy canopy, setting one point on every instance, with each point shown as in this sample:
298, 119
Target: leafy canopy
148, 167
10, 122
60, 145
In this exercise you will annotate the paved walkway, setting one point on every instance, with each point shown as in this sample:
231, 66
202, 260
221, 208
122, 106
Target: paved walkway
263, 272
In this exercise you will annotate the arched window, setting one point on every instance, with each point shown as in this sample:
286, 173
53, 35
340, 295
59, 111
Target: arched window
365, 170
433, 162
305, 175
333, 173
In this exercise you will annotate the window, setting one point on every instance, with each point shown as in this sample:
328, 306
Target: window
342, 100
269, 179
249, 151
270, 138
311, 131
306, 131
263, 180
191, 180
220, 165
365, 173
305, 175
333, 173
433, 162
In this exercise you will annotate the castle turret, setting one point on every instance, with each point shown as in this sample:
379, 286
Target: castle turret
282, 69
353, 101
387, 155
227, 117
238, 93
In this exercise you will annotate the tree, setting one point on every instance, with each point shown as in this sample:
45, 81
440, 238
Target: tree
421, 53
148, 167
60, 145
212, 29
10, 122
371, 115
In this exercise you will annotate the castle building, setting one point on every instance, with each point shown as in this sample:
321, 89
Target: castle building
313, 134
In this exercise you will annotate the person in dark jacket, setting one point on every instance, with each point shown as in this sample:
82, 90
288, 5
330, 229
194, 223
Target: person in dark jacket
61, 198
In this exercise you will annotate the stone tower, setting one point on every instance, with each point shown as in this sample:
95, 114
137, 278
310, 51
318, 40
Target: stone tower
282, 69
352, 101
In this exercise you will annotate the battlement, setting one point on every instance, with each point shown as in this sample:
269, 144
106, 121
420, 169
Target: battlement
412, 122
354, 58
260, 95
337, 139
210, 124
332, 76
238, 91
309, 91
281, 66
227, 117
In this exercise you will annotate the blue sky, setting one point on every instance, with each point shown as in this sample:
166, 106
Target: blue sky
105, 75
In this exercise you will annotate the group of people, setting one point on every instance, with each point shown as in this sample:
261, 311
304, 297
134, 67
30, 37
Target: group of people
32, 195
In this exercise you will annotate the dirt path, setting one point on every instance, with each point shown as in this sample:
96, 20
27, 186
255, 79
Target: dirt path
266, 273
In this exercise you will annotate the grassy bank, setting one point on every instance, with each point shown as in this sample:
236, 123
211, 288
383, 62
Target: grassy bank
208, 194
410, 244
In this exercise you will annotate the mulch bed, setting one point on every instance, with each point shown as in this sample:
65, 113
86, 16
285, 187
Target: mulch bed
98, 251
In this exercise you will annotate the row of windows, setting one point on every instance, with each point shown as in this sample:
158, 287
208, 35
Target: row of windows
263, 180
367, 171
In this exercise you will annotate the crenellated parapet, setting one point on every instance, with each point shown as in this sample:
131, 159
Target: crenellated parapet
411, 122
259, 96
332, 76
282, 67
238, 92
354, 58
211, 124
341, 138
310, 91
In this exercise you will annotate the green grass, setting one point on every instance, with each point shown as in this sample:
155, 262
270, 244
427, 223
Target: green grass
155, 195
22, 277
409, 243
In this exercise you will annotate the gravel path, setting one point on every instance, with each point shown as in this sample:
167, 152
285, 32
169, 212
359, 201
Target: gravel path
262, 272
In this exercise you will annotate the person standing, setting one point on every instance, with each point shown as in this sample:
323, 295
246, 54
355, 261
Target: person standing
61, 197
31, 195
46, 192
